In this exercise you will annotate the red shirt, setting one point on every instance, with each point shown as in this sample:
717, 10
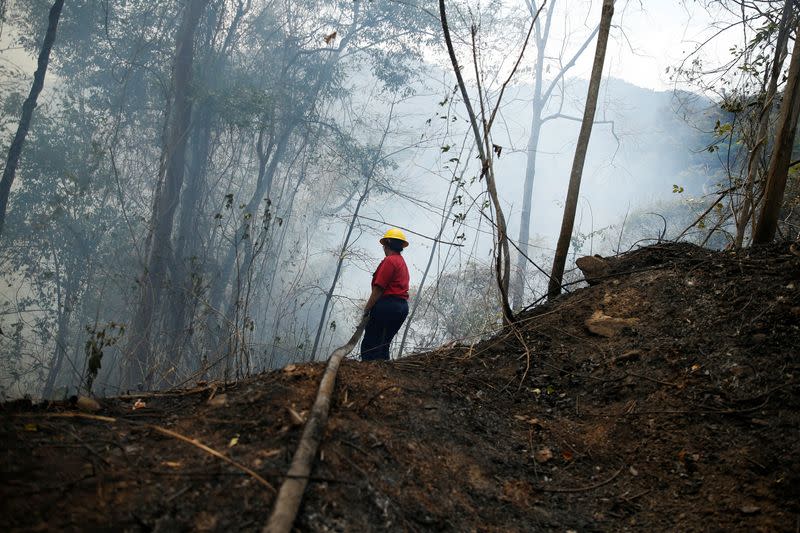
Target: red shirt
392, 276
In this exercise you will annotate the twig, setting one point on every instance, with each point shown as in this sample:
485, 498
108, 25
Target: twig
583, 489
629, 499
641, 376
177, 493
411, 231
172, 392
527, 354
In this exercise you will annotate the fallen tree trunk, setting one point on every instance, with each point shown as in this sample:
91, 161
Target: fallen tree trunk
291, 492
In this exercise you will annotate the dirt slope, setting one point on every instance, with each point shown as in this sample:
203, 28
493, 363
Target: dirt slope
685, 420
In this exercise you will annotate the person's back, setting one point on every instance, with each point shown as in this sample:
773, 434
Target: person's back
388, 302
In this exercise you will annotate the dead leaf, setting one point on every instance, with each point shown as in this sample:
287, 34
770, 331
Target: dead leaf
220, 400
567, 455
87, 404
630, 355
139, 404
172, 464
205, 521
633, 471
269, 453
543, 455
330, 37
750, 509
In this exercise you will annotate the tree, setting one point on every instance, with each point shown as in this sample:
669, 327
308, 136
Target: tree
167, 198
570, 206
782, 152
14, 151
745, 213
746, 88
542, 94
486, 148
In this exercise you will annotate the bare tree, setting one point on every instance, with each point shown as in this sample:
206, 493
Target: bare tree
542, 93
568, 222
486, 148
9, 173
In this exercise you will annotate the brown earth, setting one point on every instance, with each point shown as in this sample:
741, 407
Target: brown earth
684, 419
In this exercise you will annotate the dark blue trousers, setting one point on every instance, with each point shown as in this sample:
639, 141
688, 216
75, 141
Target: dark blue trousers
385, 319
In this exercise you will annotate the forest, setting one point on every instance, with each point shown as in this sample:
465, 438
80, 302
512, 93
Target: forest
601, 207
199, 185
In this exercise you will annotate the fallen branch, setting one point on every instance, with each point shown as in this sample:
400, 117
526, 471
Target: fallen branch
164, 431
291, 492
211, 451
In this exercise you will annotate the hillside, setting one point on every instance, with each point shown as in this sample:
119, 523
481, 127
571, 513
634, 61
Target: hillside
685, 419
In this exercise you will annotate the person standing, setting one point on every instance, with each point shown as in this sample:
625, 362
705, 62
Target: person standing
387, 306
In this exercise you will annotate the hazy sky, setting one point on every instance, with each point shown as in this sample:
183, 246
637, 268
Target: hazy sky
651, 35
648, 36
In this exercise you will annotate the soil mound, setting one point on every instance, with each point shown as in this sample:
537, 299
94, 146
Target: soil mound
665, 396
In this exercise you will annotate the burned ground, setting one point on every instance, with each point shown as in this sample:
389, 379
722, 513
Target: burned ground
685, 418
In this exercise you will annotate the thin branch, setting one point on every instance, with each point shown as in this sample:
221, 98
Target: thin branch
516, 65
434, 239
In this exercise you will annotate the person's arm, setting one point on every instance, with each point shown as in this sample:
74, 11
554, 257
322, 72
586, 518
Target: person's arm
376, 294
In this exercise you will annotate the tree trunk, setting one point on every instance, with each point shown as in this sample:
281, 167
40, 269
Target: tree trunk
165, 204
754, 160
518, 287
781, 153
59, 352
186, 264
568, 222
540, 99
9, 173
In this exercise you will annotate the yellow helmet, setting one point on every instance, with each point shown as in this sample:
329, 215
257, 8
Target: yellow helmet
395, 233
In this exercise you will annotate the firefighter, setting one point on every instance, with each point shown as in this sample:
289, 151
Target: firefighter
387, 306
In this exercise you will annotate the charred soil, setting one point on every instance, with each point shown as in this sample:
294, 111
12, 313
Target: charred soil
685, 417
